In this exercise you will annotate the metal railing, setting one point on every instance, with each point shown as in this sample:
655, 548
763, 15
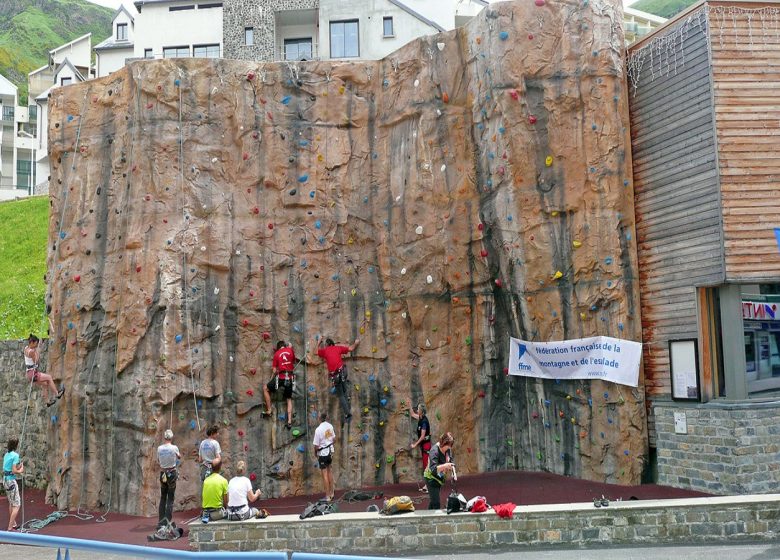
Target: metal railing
136, 551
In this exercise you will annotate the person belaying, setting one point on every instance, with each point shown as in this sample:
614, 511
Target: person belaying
439, 464
168, 456
337, 371
12, 466
282, 367
423, 438
34, 375
209, 451
215, 494
324, 448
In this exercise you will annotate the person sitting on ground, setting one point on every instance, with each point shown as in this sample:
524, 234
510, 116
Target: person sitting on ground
31, 359
240, 493
215, 494
282, 365
12, 466
439, 463
209, 451
337, 373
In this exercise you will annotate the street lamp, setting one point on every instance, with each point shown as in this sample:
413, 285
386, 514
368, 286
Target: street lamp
32, 163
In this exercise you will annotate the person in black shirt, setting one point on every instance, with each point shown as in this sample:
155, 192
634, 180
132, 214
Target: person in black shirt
439, 463
423, 437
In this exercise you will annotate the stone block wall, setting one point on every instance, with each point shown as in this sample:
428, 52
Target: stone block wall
238, 14
729, 448
698, 520
14, 389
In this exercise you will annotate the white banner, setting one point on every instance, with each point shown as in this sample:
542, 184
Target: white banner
598, 357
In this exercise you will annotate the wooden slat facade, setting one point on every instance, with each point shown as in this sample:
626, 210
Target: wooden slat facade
746, 77
677, 197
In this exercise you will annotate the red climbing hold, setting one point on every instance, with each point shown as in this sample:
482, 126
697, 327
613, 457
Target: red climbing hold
531, 119
250, 76
77, 278
513, 94
483, 253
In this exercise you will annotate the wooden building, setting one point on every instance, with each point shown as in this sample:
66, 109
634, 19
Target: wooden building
704, 98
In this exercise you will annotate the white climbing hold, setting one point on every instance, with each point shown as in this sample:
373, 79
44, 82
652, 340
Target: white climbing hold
440, 46
429, 279
403, 271
418, 230
416, 83
443, 168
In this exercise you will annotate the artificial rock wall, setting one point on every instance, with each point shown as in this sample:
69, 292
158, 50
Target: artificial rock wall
471, 186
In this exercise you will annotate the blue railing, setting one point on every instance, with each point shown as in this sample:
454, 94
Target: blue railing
158, 553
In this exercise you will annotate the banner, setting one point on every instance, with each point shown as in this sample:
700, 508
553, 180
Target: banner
598, 357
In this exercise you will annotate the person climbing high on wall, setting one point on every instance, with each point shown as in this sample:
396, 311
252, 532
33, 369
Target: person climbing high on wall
209, 452
12, 466
283, 366
324, 442
31, 359
423, 438
168, 456
439, 464
337, 371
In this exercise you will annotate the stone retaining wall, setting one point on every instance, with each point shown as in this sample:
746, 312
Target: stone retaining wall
13, 400
728, 448
695, 520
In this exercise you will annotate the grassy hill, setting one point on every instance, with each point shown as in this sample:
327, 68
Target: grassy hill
24, 228
29, 29
663, 8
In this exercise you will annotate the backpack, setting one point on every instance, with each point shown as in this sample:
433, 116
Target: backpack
397, 504
456, 502
318, 508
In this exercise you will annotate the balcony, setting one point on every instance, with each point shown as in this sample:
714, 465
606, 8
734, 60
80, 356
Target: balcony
296, 35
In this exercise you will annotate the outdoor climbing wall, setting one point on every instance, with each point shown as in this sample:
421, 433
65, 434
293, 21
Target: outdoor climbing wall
470, 187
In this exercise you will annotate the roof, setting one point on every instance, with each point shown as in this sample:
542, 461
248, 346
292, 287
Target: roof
415, 14
67, 62
644, 15
123, 9
110, 44
54, 50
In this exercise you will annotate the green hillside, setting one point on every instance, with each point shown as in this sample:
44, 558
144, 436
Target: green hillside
663, 8
24, 228
29, 29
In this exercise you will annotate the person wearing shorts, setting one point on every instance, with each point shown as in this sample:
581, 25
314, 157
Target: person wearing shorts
324, 440
283, 377
12, 466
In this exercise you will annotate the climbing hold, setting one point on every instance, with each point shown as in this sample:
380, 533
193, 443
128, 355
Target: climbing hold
548, 161
558, 274
503, 35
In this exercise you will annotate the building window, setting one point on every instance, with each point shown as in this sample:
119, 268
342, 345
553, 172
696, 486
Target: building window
181, 8
121, 32
176, 52
65, 81
148, 53
387, 27
205, 51
344, 39
298, 49
249, 36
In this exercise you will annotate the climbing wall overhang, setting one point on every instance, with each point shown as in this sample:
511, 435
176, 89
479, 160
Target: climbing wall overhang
472, 186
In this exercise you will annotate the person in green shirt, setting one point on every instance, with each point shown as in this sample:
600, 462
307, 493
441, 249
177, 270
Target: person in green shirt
215, 494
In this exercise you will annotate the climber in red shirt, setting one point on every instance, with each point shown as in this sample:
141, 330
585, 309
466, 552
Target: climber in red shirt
337, 371
282, 366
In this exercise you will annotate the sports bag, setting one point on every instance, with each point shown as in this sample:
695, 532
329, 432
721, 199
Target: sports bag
397, 504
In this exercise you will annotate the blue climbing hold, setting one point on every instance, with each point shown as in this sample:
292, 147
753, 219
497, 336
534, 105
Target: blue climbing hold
303, 178
503, 35
286, 100
178, 338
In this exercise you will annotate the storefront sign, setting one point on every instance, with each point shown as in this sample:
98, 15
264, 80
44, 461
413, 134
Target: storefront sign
599, 357
759, 311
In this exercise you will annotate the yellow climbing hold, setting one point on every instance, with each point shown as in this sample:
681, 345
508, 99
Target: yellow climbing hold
558, 274
548, 161
577, 244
